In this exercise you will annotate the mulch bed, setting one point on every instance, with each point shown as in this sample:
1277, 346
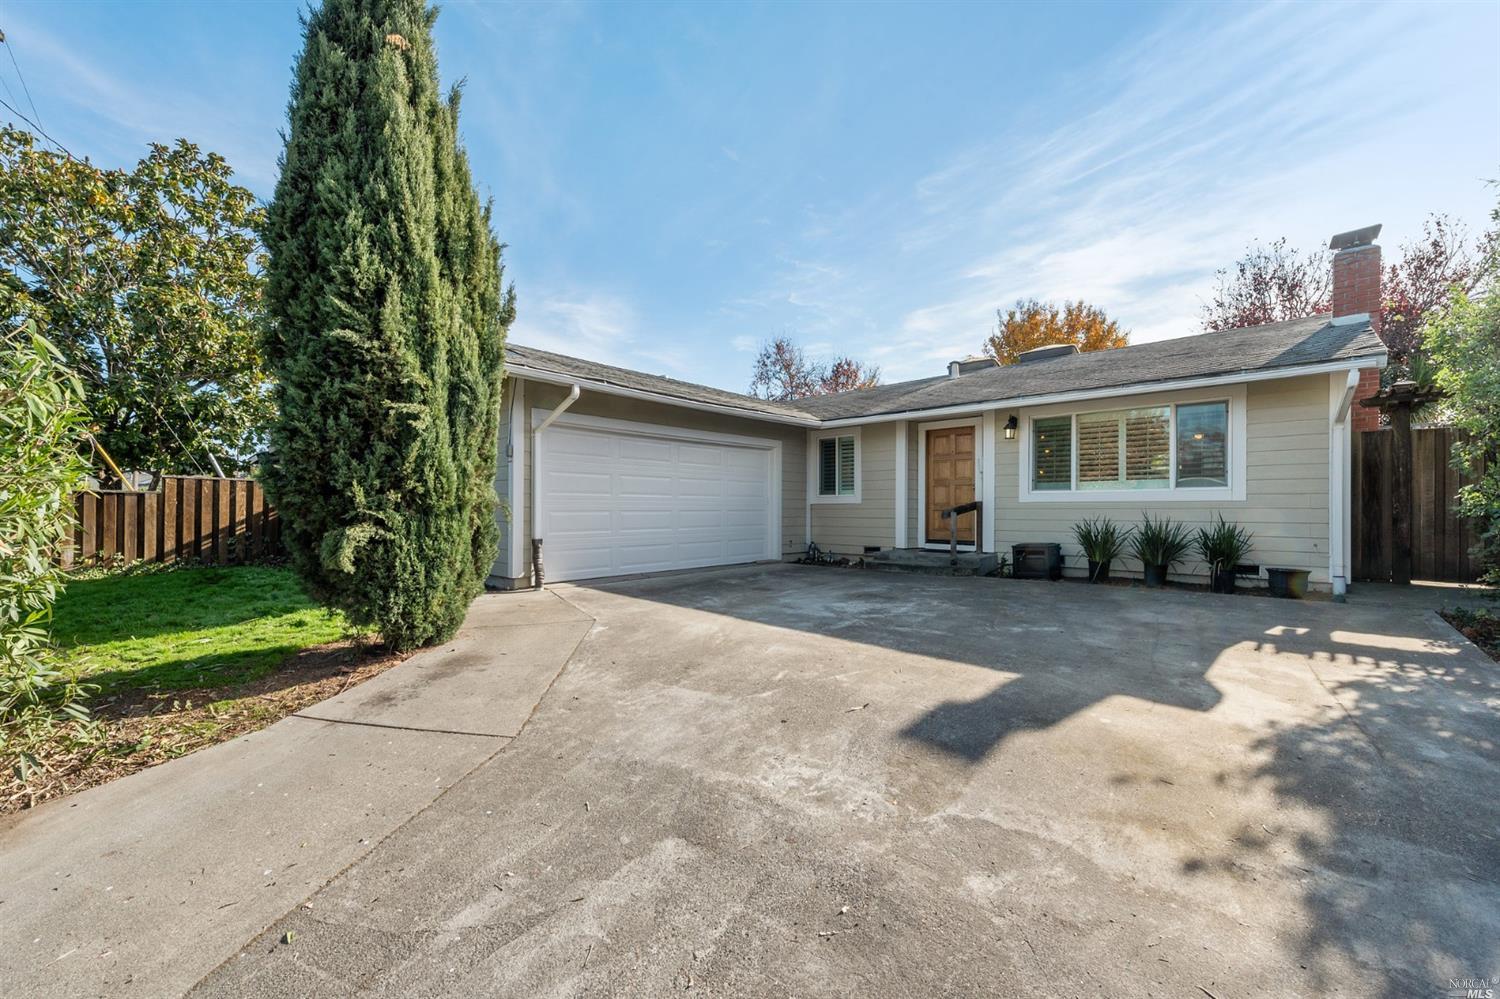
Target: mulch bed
142, 729
1480, 627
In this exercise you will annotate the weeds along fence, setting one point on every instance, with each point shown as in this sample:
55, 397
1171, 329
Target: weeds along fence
186, 518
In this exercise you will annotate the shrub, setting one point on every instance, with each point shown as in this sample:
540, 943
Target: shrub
1223, 546
1463, 341
1101, 539
40, 428
1160, 541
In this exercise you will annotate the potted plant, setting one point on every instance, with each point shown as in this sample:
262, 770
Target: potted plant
1289, 583
1102, 542
1159, 544
1222, 546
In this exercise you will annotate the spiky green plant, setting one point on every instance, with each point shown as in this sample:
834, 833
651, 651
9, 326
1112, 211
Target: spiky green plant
1101, 539
1223, 545
1160, 541
386, 325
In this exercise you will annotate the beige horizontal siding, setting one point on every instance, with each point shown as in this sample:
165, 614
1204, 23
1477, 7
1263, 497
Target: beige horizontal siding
847, 528
1286, 494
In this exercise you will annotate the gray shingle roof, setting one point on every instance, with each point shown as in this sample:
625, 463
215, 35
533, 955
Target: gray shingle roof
576, 367
1291, 344
1297, 342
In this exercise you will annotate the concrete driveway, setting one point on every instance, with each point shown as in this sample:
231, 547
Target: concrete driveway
817, 782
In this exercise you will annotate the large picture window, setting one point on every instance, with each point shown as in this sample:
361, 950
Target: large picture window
1163, 448
1125, 449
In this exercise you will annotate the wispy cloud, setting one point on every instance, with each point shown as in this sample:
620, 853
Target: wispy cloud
1200, 137
133, 113
597, 325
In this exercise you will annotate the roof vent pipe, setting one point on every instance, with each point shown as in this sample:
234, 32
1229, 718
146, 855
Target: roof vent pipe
970, 364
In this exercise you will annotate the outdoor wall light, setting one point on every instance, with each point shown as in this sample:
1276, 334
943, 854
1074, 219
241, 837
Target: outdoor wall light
1010, 428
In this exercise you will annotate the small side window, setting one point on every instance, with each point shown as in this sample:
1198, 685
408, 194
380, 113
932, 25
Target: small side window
836, 466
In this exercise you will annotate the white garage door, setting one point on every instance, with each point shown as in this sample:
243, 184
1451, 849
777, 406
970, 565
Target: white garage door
615, 501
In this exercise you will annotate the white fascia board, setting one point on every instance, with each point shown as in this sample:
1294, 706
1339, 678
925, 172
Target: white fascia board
1138, 388
553, 378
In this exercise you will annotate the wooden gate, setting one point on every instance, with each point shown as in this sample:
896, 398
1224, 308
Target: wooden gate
187, 518
1440, 538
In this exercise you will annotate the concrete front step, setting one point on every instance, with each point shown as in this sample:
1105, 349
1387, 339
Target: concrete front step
933, 563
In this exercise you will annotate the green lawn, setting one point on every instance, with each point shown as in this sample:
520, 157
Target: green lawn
187, 628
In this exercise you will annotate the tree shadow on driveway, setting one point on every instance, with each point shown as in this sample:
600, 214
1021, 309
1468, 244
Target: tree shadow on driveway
1369, 733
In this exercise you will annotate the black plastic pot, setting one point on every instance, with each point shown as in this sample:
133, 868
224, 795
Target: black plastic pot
1222, 581
1098, 571
1156, 575
1289, 583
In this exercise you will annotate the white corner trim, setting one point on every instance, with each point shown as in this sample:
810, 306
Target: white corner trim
986, 491
981, 473
1238, 461
901, 478
605, 388
520, 475
813, 437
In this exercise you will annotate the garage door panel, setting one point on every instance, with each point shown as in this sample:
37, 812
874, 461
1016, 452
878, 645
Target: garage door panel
571, 522
567, 443
643, 504
641, 484
645, 449
645, 519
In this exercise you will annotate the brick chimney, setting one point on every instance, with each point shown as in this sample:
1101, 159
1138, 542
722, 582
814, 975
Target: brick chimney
1356, 294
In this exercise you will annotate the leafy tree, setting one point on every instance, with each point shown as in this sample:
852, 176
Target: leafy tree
41, 423
1276, 282
1031, 324
147, 283
1270, 284
1422, 279
387, 322
845, 373
784, 372
1462, 341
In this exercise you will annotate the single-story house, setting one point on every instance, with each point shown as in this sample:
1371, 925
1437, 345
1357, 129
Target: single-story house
619, 471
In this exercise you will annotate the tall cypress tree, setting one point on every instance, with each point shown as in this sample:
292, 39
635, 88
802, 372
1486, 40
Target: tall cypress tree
386, 328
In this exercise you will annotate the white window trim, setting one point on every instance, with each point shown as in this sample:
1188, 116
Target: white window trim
982, 491
579, 421
1237, 463
901, 481
813, 447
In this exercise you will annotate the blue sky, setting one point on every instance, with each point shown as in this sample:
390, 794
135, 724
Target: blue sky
680, 182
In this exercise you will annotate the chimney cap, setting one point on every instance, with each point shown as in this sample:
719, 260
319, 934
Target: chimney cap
1355, 238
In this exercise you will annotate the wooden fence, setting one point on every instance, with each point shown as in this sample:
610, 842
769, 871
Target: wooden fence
186, 518
1440, 538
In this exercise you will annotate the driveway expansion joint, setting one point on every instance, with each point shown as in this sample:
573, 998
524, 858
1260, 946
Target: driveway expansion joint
401, 728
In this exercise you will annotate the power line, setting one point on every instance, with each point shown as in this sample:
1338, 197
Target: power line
10, 49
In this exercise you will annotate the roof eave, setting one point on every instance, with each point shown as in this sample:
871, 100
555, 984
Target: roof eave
609, 388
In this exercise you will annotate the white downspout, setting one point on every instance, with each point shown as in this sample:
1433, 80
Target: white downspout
536, 489
1339, 492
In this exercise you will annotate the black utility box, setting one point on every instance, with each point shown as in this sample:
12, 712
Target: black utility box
1038, 560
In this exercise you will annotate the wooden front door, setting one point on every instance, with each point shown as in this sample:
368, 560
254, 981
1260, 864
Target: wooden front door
950, 482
